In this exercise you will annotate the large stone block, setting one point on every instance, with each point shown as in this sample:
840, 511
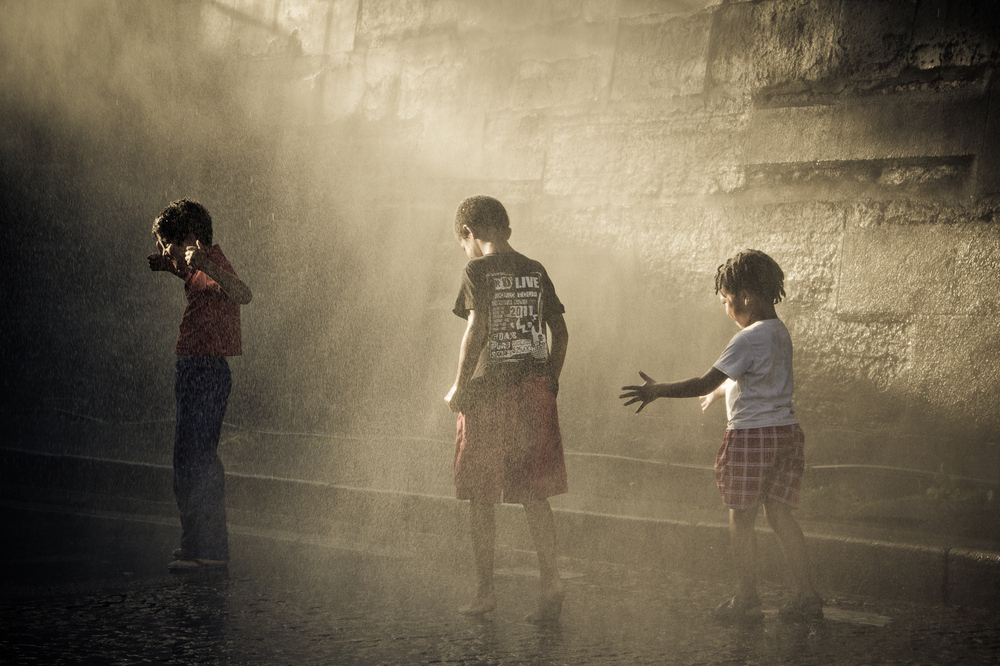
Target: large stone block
624, 160
382, 80
432, 78
898, 270
954, 369
956, 34
451, 146
385, 21
515, 145
661, 56
803, 237
768, 43
280, 27
545, 84
559, 64
869, 128
342, 85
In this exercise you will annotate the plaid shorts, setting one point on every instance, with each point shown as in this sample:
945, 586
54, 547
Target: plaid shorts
508, 448
758, 464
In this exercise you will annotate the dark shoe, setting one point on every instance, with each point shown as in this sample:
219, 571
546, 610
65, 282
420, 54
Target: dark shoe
802, 609
196, 564
739, 611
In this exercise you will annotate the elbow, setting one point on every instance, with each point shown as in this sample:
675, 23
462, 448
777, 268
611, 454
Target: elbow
245, 297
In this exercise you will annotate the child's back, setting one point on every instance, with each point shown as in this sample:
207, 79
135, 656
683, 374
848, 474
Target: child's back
508, 446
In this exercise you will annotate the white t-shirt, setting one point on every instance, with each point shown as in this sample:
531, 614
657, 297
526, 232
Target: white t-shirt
759, 360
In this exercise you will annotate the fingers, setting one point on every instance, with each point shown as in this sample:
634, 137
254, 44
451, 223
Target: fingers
199, 245
635, 394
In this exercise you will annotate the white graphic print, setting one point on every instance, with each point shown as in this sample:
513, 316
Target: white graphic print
517, 331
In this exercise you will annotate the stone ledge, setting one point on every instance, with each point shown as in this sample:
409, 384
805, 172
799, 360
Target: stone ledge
845, 565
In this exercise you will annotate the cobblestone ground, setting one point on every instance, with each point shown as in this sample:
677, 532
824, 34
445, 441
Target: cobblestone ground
81, 589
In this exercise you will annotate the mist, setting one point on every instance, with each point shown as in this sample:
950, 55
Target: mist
635, 146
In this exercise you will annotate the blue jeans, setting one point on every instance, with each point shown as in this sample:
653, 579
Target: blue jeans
201, 387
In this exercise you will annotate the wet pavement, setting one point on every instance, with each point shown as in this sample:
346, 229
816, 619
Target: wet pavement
84, 587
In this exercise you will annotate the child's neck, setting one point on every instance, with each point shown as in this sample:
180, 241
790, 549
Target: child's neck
762, 313
495, 247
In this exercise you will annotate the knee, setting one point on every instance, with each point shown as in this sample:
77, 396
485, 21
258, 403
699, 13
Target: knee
743, 519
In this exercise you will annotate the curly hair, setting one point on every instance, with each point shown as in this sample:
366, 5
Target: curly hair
480, 213
183, 217
752, 272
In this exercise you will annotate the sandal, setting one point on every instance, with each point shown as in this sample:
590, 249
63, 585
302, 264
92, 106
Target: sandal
196, 564
802, 609
739, 611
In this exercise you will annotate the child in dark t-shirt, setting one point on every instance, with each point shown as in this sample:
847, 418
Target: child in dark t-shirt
508, 446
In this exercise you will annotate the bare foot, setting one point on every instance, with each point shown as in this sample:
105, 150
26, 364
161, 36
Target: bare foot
483, 602
550, 602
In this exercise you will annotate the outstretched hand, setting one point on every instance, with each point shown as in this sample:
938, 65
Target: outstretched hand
642, 394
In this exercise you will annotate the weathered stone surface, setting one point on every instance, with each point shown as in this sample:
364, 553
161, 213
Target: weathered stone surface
758, 44
637, 144
867, 129
661, 57
622, 160
280, 28
515, 146
897, 270
382, 77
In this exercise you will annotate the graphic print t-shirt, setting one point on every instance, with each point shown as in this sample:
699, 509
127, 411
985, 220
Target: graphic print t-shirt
515, 295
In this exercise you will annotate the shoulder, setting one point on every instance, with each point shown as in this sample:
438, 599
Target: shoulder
528, 261
773, 328
476, 267
217, 256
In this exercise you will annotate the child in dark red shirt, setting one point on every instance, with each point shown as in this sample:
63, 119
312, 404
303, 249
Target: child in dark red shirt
209, 332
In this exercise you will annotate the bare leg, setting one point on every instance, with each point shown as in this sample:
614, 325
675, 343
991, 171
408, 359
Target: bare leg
552, 589
793, 545
482, 521
743, 541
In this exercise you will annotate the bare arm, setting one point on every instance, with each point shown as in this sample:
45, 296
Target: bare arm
234, 287
560, 339
468, 354
688, 388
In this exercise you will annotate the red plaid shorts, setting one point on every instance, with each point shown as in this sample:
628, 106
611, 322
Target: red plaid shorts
758, 464
508, 449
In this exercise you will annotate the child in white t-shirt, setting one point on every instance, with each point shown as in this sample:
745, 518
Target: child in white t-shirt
761, 458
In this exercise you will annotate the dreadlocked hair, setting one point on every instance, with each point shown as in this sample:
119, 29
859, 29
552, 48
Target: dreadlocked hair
752, 272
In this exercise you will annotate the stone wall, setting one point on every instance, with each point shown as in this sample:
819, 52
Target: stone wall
636, 144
